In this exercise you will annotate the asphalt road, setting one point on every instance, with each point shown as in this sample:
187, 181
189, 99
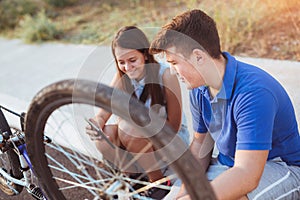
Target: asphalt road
25, 69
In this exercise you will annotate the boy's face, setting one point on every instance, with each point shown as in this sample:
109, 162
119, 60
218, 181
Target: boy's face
186, 68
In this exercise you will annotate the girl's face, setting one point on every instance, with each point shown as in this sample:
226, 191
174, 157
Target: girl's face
131, 62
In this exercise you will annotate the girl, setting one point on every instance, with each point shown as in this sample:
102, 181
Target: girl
152, 83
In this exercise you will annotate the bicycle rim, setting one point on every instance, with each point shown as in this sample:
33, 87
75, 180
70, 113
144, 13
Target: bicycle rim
70, 166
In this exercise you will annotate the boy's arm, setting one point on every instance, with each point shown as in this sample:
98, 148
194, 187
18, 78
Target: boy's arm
243, 177
202, 148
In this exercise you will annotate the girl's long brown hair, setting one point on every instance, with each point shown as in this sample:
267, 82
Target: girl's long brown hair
130, 37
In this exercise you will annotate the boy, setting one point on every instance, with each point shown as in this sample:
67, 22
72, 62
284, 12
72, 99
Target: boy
246, 112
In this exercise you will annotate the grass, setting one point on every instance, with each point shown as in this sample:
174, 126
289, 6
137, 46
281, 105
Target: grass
38, 28
243, 25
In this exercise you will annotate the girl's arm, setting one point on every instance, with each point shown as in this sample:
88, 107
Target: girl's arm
102, 116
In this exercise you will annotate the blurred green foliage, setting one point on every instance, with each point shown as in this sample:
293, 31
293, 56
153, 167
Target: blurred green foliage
240, 23
60, 3
11, 11
38, 28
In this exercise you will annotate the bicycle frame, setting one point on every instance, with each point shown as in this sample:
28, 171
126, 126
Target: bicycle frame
16, 142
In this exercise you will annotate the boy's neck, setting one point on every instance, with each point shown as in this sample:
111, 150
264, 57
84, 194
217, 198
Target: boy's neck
218, 82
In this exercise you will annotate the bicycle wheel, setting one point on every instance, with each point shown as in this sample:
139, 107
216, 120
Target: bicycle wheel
71, 167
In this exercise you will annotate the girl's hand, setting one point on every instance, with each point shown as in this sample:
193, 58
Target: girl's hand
91, 130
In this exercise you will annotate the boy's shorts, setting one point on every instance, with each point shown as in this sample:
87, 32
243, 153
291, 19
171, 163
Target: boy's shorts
279, 181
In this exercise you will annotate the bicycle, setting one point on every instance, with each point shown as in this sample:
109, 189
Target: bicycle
65, 161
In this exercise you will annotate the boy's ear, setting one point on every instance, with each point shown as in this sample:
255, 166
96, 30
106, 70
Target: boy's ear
199, 54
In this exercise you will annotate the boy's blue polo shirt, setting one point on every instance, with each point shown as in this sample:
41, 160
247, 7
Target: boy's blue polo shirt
252, 111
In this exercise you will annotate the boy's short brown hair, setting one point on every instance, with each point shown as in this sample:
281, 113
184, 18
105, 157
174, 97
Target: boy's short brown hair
188, 31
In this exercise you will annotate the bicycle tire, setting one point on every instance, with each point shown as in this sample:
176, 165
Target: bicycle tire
74, 91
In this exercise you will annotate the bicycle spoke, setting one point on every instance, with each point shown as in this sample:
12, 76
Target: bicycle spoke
84, 162
80, 166
84, 185
73, 175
